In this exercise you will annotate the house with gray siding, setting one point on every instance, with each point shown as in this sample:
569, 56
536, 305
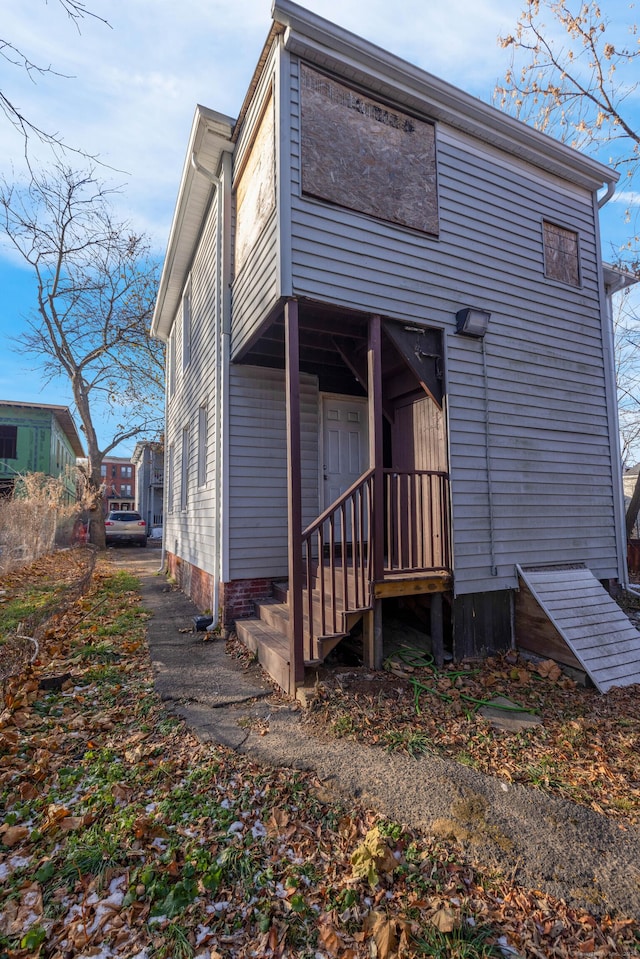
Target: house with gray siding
148, 460
389, 359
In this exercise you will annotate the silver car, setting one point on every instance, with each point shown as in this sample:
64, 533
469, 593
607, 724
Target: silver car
125, 526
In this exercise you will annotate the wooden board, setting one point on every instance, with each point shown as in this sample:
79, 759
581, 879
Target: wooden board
365, 155
255, 188
568, 615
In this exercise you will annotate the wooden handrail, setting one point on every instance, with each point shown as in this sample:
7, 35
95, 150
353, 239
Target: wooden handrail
342, 554
338, 547
336, 504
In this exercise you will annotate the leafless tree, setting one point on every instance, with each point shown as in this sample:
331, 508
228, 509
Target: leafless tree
96, 285
627, 340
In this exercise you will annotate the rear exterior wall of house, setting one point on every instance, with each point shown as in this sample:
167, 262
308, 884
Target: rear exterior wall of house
529, 441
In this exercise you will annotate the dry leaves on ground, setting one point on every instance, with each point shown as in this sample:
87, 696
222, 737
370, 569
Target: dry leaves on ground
125, 836
586, 749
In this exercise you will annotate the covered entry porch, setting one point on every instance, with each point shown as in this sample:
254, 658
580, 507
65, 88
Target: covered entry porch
387, 533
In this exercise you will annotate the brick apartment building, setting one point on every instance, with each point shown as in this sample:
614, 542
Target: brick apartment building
119, 478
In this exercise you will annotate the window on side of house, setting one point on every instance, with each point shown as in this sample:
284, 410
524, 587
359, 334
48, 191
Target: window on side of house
170, 479
203, 430
561, 254
8, 442
186, 326
126, 472
171, 363
184, 469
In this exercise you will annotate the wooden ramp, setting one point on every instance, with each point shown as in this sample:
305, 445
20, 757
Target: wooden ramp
579, 614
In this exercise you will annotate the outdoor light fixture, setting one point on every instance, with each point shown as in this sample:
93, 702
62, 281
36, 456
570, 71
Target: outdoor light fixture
472, 322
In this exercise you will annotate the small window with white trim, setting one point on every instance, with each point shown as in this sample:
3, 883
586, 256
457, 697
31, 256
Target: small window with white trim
170, 479
184, 470
203, 431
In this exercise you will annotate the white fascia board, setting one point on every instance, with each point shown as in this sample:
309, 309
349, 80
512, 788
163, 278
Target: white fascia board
210, 137
321, 42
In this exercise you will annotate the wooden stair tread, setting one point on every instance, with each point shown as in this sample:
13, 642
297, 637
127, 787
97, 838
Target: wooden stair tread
270, 646
255, 629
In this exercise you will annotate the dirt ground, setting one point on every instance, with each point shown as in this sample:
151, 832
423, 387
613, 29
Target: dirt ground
444, 769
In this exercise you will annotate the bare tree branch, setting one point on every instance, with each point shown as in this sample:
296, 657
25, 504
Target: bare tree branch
573, 74
76, 11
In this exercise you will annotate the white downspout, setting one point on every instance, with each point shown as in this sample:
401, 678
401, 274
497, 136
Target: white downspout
487, 449
165, 463
225, 347
221, 363
215, 598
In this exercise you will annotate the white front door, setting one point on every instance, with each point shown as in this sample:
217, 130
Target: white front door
345, 448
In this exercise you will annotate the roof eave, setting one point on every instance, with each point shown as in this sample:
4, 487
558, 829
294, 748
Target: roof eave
617, 279
63, 416
340, 51
210, 137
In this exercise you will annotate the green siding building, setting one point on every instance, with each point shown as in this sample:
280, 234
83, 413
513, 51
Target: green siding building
37, 438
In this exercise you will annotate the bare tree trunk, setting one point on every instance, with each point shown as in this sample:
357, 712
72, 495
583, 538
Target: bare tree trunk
633, 508
96, 514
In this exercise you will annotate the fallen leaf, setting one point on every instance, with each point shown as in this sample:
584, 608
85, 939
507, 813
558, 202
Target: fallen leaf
443, 919
384, 934
12, 835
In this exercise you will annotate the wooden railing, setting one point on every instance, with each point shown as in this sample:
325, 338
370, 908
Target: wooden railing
338, 571
416, 521
338, 547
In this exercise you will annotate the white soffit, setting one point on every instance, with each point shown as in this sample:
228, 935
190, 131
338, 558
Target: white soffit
210, 137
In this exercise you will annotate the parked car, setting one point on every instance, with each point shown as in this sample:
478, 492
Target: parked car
125, 526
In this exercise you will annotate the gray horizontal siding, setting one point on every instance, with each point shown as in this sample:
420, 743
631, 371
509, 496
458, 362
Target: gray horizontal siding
549, 460
190, 533
255, 290
258, 469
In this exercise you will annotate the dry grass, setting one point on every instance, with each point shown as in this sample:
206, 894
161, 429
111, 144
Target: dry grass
35, 518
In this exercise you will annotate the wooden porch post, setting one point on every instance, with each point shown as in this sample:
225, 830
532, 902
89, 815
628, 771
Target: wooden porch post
294, 511
375, 462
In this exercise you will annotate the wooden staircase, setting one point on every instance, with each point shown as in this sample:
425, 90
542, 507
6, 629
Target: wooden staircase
384, 536
267, 633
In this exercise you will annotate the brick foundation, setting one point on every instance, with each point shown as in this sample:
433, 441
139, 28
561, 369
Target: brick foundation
192, 580
237, 598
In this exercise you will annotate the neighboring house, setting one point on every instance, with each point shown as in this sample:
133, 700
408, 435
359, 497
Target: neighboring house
389, 363
38, 438
148, 459
119, 481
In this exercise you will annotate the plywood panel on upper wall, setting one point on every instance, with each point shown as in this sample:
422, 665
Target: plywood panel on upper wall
255, 187
366, 156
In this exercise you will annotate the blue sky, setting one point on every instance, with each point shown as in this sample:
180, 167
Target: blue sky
129, 90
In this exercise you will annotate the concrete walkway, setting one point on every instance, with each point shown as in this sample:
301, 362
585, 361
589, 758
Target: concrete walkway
542, 842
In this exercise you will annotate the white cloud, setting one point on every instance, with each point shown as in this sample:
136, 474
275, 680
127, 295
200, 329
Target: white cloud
628, 197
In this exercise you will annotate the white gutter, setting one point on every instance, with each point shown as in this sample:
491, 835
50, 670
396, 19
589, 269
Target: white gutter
606, 196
